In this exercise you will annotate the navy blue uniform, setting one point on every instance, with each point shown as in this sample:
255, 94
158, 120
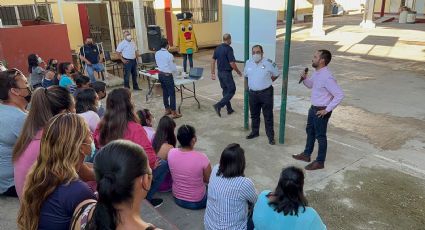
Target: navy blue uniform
224, 56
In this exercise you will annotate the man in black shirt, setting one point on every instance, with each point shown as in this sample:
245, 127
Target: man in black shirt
225, 59
90, 55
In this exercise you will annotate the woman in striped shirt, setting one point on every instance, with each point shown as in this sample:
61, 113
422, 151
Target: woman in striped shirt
229, 192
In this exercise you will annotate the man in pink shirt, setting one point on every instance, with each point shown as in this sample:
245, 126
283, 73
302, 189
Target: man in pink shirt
325, 96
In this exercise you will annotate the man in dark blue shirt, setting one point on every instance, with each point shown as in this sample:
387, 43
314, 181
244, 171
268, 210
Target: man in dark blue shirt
225, 58
90, 55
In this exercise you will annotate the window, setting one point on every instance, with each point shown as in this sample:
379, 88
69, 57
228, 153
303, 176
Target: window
127, 15
203, 11
149, 13
12, 15
26, 12
8, 15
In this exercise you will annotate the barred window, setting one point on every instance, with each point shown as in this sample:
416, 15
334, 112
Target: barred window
26, 12
11, 15
8, 15
149, 13
127, 15
203, 11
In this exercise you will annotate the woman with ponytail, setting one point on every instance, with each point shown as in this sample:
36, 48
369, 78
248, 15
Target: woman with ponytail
123, 178
53, 189
45, 104
286, 207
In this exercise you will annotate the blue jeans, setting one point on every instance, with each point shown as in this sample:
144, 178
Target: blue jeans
94, 67
192, 205
229, 89
185, 57
316, 129
168, 91
158, 175
130, 67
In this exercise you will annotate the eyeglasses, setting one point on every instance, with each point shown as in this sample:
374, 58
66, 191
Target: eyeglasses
257, 52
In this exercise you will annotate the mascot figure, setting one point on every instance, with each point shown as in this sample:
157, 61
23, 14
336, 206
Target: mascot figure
186, 39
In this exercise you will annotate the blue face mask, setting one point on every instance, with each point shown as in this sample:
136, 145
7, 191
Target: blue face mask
93, 149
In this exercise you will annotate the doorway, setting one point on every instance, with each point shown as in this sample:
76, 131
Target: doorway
99, 24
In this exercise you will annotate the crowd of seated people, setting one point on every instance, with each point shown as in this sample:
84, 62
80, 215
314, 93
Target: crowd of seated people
76, 164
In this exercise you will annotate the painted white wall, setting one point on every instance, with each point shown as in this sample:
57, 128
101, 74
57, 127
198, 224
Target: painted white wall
263, 17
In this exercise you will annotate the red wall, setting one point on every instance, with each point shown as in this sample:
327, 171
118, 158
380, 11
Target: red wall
48, 41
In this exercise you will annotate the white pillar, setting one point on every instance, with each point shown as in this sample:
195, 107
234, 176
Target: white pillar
111, 28
60, 11
318, 10
139, 21
367, 22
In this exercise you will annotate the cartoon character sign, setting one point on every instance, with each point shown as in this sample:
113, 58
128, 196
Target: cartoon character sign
186, 39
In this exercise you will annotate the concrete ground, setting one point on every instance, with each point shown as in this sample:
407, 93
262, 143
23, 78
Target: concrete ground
375, 168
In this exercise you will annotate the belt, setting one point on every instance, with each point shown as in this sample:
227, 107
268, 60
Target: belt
165, 74
318, 107
129, 59
261, 91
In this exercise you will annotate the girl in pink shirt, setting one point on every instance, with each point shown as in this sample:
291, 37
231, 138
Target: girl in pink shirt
190, 171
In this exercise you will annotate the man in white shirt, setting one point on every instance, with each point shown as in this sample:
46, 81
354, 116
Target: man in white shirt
166, 67
261, 72
128, 53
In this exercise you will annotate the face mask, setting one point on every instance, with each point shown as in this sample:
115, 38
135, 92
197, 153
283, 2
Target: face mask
72, 71
256, 57
128, 37
93, 149
39, 60
28, 97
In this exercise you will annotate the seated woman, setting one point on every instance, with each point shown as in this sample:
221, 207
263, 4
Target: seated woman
53, 190
146, 120
190, 171
229, 192
124, 179
121, 122
45, 104
286, 207
86, 106
66, 80
164, 139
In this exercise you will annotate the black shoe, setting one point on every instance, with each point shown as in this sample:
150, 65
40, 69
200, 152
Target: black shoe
252, 135
230, 112
272, 142
156, 202
217, 110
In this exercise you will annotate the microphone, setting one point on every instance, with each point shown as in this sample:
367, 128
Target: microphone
305, 72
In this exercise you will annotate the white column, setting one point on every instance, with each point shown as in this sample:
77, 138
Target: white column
111, 28
318, 10
367, 22
139, 21
60, 11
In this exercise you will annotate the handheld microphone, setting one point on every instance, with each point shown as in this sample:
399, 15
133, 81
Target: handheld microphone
305, 72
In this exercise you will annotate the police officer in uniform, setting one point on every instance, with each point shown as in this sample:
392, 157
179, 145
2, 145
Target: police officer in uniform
261, 72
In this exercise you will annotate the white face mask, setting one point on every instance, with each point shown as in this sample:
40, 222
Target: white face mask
256, 57
39, 60
128, 37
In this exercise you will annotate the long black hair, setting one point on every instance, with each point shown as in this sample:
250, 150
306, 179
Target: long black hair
119, 111
86, 100
32, 62
288, 196
164, 133
116, 167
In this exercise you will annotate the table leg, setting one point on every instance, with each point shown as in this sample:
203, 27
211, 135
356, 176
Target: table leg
150, 87
194, 95
181, 98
